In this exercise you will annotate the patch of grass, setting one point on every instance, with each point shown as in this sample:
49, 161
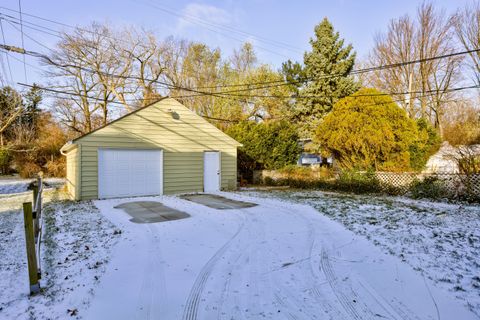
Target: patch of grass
347, 181
430, 188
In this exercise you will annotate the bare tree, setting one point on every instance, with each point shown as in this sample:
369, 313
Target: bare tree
245, 59
398, 44
429, 35
104, 69
467, 27
149, 64
11, 108
199, 70
435, 38
462, 122
72, 70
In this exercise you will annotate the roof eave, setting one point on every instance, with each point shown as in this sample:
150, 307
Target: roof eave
67, 147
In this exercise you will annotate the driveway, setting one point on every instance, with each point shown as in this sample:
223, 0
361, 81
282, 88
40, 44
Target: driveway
277, 260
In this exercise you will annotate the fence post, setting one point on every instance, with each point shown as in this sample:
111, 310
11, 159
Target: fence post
35, 189
30, 244
35, 193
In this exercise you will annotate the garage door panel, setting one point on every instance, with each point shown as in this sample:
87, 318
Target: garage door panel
129, 172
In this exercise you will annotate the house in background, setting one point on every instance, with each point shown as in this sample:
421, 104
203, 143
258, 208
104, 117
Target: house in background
163, 148
311, 159
447, 157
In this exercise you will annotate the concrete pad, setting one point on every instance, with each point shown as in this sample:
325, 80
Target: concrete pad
151, 212
217, 202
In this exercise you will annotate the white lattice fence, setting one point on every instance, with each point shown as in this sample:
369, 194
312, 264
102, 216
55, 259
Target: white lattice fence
401, 181
469, 183
453, 183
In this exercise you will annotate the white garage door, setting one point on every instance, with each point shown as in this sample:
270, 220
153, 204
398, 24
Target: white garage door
124, 173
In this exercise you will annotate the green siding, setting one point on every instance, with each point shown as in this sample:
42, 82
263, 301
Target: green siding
183, 142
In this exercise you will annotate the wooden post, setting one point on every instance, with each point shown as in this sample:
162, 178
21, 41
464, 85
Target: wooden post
35, 193
35, 189
30, 244
38, 207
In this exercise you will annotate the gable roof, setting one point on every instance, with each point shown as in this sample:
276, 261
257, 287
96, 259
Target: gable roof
118, 119
153, 104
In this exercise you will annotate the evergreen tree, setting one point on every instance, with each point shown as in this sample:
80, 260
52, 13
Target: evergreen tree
266, 145
368, 130
294, 74
327, 67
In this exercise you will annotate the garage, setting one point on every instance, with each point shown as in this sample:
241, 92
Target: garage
162, 148
127, 173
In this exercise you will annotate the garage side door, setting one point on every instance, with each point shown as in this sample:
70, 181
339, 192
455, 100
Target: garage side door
211, 171
124, 173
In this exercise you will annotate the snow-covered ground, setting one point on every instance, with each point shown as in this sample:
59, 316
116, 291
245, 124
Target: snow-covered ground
439, 240
11, 185
275, 261
76, 248
278, 260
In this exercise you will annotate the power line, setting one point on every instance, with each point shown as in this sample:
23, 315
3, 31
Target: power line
275, 83
6, 53
26, 35
423, 94
38, 17
231, 92
434, 91
59, 92
13, 20
107, 100
199, 21
31, 25
23, 42
93, 32
226, 35
353, 72
28, 64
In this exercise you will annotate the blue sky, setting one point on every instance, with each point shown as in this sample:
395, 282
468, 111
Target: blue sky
262, 22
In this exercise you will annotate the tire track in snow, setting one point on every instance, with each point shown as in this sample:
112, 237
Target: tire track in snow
193, 300
152, 292
312, 278
245, 274
285, 298
227, 287
286, 307
394, 312
347, 302
344, 300
243, 255
256, 281
346, 297
284, 295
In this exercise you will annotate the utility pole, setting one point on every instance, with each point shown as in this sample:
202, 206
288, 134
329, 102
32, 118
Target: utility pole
409, 97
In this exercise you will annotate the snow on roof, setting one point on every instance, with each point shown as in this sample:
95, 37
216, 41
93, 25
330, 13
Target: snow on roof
445, 160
